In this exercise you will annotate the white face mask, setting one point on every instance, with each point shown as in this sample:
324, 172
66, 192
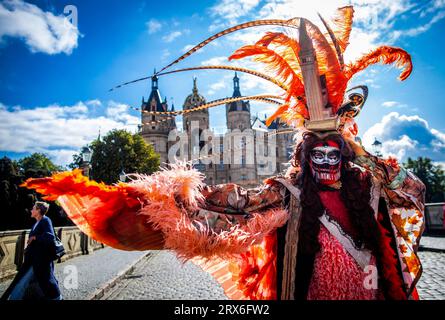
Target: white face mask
325, 164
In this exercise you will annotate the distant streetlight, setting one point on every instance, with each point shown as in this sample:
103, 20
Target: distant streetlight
377, 147
86, 159
122, 176
86, 154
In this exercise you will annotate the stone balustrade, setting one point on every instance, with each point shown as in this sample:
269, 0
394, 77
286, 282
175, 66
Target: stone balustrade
13, 243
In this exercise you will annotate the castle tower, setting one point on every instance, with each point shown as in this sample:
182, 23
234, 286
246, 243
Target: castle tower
285, 145
194, 123
242, 168
155, 128
238, 113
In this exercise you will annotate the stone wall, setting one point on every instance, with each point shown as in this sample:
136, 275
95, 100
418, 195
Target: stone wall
13, 243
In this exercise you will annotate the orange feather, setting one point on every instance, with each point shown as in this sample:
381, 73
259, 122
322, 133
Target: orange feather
106, 213
329, 65
281, 109
342, 25
275, 63
255, 271
385, 55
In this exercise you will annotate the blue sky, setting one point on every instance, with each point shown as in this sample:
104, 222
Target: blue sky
55, 77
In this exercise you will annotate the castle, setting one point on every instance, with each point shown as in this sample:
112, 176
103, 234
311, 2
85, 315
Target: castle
248, 153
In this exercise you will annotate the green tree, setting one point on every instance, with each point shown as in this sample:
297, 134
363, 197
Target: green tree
119, 150
15, 201
37, 165
431, 175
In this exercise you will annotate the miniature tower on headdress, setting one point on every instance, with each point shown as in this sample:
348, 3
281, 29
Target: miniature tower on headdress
320, 112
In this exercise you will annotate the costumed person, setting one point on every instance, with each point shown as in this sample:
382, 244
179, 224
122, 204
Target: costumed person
37, 265
341, 223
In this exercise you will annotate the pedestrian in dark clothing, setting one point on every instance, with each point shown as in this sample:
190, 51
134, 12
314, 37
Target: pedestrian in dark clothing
37, 264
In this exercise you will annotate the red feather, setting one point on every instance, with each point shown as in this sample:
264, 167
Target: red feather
255, 271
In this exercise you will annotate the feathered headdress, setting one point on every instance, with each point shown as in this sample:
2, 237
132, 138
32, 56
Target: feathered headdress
309, 68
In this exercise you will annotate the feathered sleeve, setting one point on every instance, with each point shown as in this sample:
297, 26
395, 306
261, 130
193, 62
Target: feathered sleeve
402, 187
170, 209
405, 198
208, 221
108, 214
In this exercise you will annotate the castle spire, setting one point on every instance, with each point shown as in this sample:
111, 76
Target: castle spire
195, 88
236, 89
154, 82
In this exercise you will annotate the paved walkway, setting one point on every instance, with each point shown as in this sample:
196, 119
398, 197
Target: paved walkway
93, 271
162, 277
431, 285
159, 275
432, 243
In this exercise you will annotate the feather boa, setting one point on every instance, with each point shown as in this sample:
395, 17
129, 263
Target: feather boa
169, 198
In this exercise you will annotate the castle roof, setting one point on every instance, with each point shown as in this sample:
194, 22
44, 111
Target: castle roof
194, 99
238, 105
154, 102
261, 124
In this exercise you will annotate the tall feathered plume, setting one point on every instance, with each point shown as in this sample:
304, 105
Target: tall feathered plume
279, 52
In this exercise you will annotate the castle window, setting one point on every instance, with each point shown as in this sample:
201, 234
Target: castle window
152, 118
221, 165
243, 143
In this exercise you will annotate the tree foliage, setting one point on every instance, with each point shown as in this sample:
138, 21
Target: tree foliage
119, 151
431, 175
37, 165
15, 201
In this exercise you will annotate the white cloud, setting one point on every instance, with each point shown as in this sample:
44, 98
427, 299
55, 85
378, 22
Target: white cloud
219, 85
406, 136
215, 61
170, 37
59, 131
233, 9
94, 103
42, 31
393, 104
374, 20
165, 54
189, 46
153, 26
